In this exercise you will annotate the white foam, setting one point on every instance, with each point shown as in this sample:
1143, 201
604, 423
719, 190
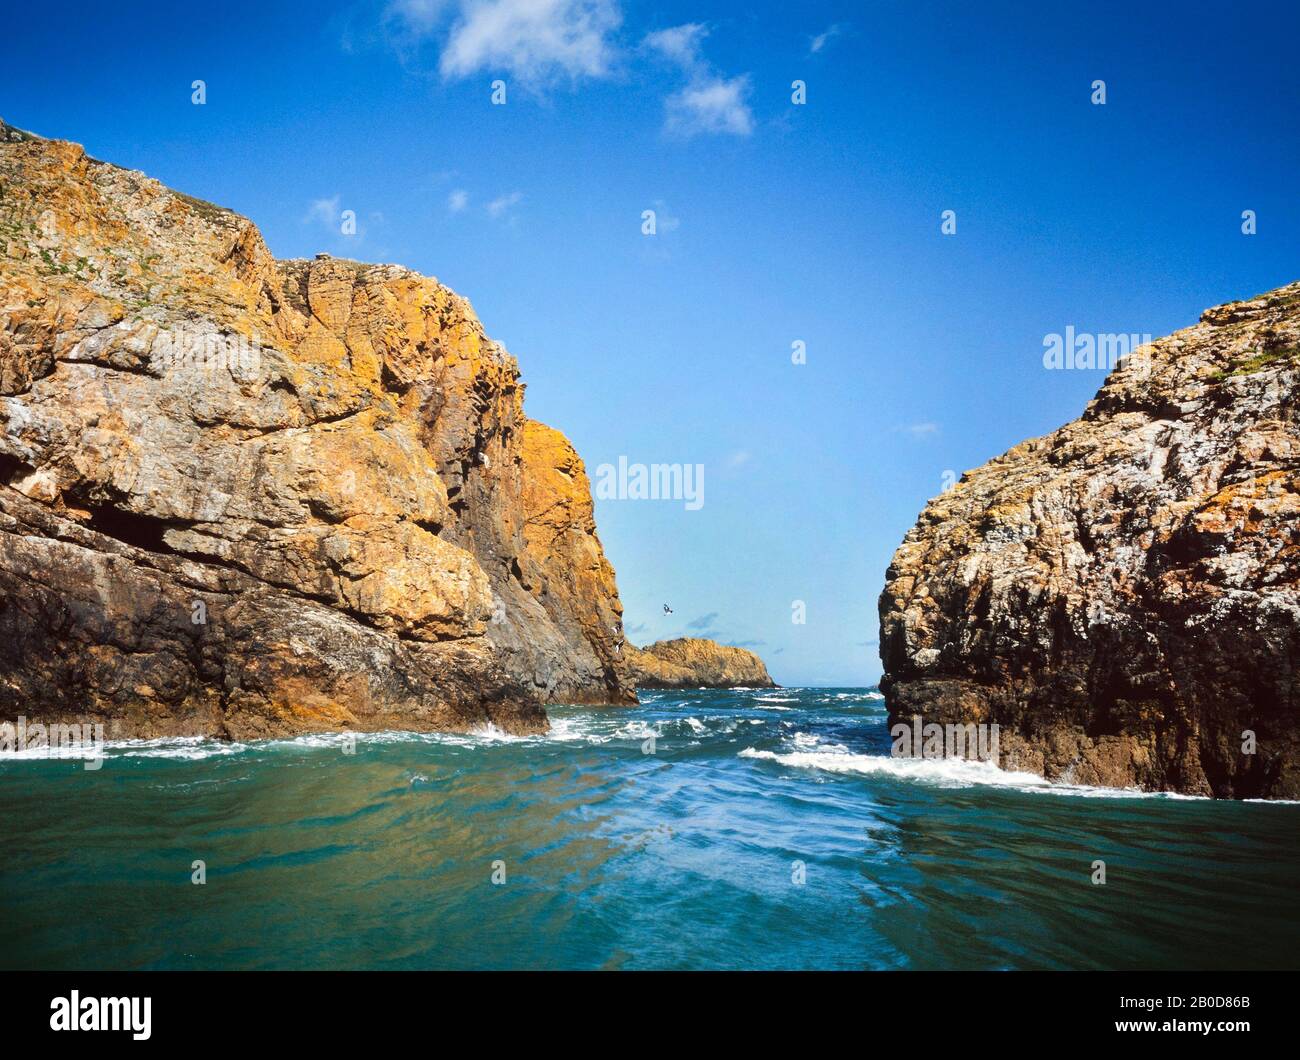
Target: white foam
942, 772
194, 748
772, 702
81, 752
807, 741
570, 730
637, 730
184, 748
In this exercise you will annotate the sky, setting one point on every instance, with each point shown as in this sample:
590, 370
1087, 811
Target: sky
776, 223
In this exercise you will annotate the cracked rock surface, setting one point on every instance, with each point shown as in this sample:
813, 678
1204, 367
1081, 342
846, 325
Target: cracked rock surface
247, 497
1122, 597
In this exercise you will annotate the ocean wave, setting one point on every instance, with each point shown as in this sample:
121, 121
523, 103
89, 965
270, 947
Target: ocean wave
594, 729
942, 772
636, 730
772, 702
180, 747
193, 748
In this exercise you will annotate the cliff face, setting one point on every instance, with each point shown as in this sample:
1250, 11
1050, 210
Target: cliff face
690, 662
563, 567
1123, 596
248, 497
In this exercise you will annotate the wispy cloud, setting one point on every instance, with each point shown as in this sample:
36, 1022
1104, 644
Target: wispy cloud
324, 211
716, 105
703, 622
328, 213
819, 41
457, 201
709, 103
419, 16
921, 430
535, 42
747, 643
680, 44
540, 43
503, 203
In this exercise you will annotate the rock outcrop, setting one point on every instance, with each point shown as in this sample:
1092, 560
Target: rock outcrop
248, 497
1122, 597
691, 662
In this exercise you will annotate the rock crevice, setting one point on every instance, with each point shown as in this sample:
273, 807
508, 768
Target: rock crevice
250, 497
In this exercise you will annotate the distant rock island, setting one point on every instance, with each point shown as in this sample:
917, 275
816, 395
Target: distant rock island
1122, 597
243, 497
692, 662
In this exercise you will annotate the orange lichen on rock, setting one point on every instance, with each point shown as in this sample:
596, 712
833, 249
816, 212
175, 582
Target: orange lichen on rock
280, 495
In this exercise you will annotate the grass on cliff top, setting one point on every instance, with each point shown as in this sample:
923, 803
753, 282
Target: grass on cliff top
1258, 362
208, 210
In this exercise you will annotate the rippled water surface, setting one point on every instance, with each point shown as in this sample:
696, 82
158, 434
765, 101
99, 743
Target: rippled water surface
617, 858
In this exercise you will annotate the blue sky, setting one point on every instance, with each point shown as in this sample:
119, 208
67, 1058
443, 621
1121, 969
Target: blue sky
776, 223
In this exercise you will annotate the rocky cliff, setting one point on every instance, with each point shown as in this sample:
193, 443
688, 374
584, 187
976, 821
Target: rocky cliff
248, 497
1122, 597
690, 662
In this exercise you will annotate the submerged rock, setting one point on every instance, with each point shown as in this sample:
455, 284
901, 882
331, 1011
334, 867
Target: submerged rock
691, 662
248, 497
1122, 597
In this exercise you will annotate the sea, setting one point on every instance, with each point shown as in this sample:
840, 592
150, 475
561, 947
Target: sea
709, 829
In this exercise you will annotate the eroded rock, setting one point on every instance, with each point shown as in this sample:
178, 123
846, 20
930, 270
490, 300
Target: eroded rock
249, 497
1123, 596
693, 662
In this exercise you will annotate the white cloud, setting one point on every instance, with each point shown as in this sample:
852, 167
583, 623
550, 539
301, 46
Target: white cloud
680, 44
710, 102
417, 16
326, 211
922, 430
817, 43
502, 203
711, 105
532, 40
457, 200
739, 458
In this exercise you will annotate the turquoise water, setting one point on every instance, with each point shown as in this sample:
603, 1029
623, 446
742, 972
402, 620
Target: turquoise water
617, 858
